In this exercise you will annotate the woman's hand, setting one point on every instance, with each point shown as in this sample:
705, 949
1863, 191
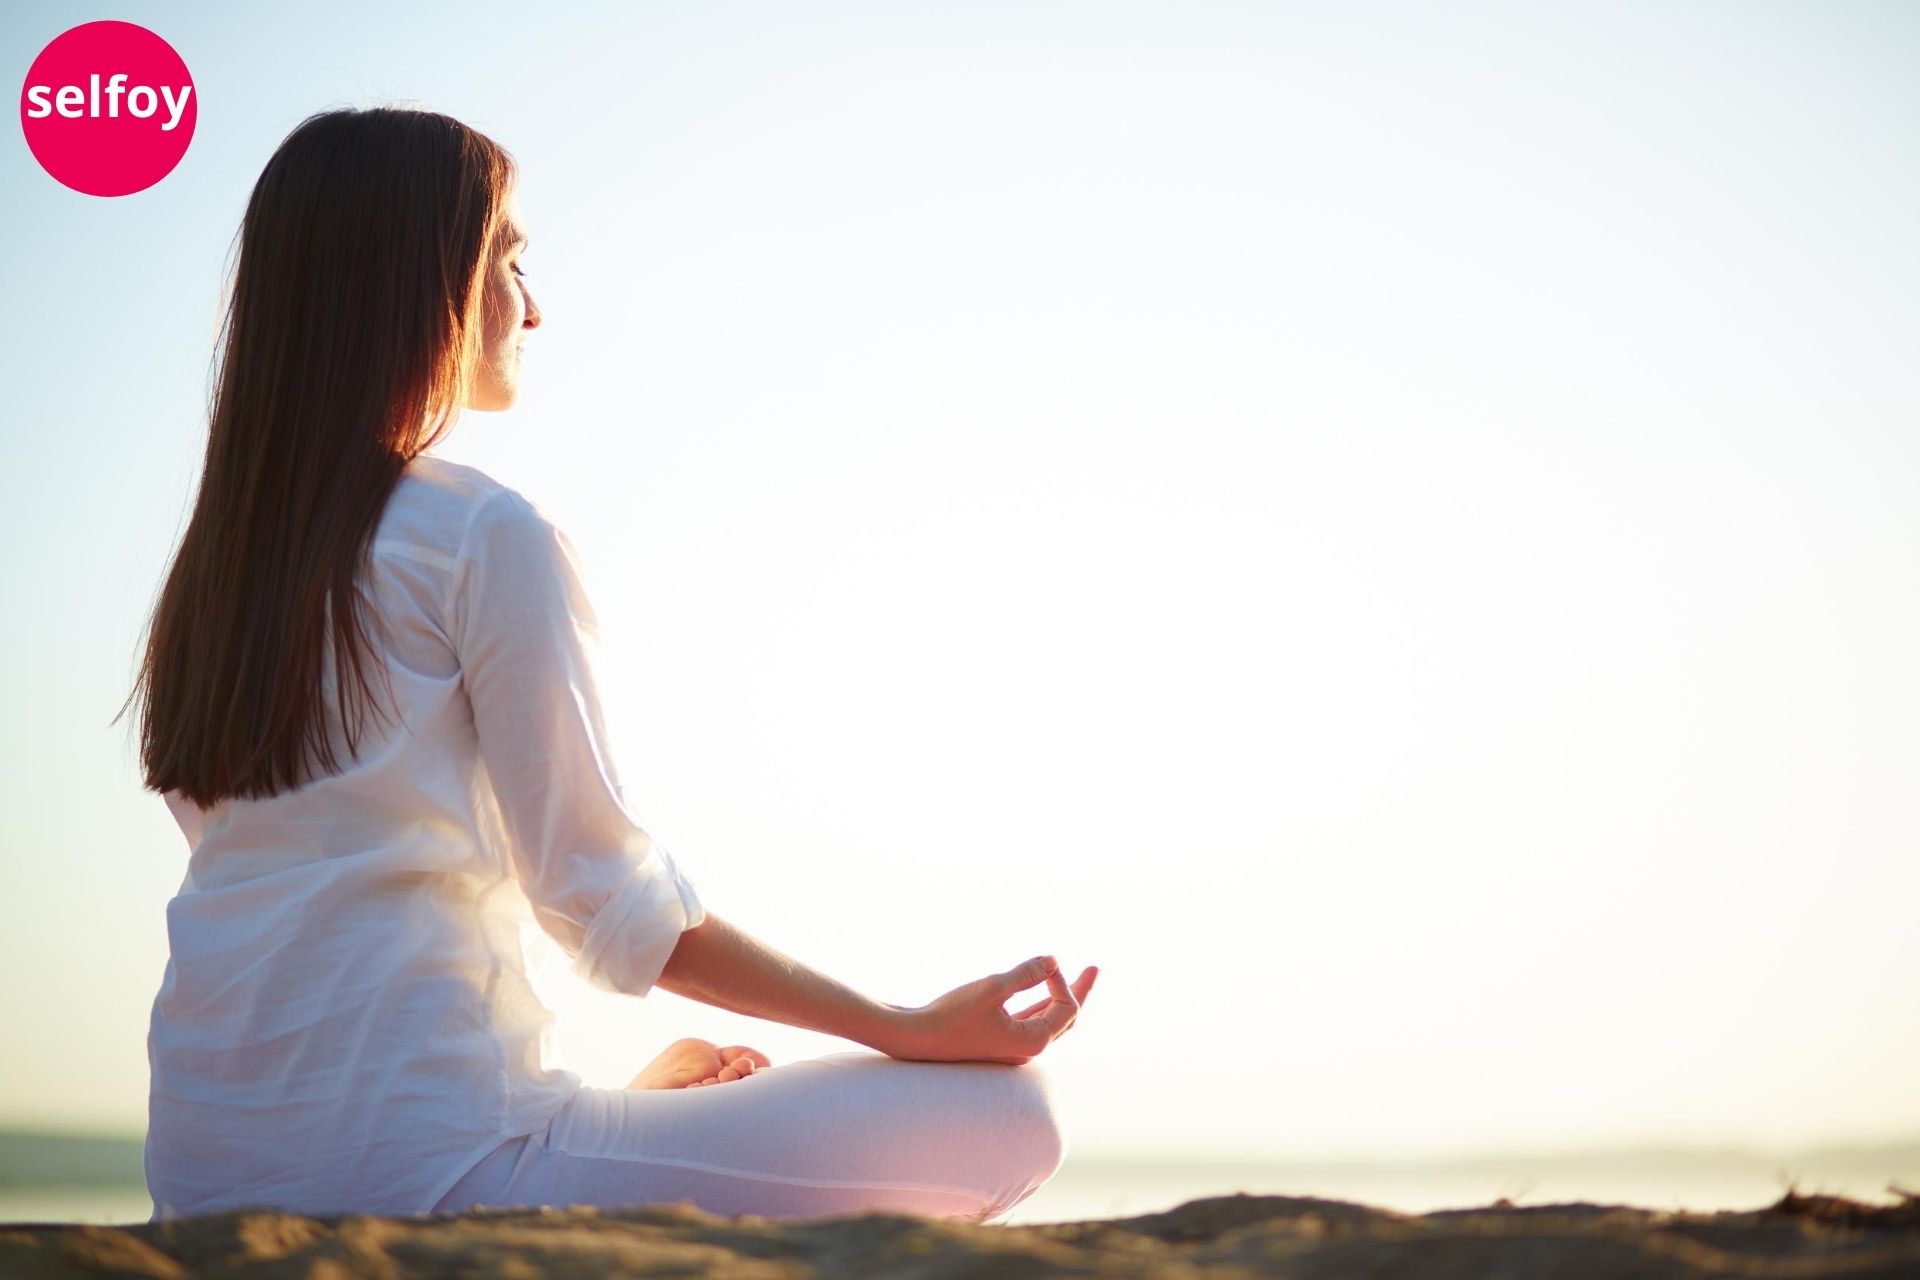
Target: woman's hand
968, 1023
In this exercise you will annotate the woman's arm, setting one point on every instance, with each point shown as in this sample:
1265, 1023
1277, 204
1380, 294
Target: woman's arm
718, 963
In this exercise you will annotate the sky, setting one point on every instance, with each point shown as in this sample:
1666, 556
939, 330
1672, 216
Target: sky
1386, 527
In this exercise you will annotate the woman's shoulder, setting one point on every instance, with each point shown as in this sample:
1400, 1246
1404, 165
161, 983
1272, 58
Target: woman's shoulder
452, 484
437, 503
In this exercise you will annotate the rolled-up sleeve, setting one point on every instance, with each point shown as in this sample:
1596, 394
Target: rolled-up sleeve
528, 643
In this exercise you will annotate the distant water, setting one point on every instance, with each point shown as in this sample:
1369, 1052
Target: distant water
1092, 1185
116, 1204
1705, 1182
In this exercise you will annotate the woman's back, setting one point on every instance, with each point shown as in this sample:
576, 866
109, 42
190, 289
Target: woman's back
345, 1021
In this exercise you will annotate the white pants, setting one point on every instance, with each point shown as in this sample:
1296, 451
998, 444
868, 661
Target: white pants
844, 1133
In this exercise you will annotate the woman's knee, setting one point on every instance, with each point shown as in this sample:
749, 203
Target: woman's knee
1039, 1129
1032, 1141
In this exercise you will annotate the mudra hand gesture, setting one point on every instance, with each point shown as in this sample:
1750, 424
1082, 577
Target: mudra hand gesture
968, 1023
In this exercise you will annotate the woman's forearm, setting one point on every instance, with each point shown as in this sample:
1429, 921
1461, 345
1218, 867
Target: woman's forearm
720, 964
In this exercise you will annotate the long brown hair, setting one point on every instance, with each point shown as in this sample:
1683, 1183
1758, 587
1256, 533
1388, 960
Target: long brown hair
347, 347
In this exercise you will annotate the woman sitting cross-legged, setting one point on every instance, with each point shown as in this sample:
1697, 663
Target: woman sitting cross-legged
369, 696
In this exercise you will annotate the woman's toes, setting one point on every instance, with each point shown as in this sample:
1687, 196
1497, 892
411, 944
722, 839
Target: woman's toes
729, 1052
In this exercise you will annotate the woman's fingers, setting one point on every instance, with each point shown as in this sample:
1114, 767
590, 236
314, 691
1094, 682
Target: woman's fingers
1032, 1009
1057, 989
1022, 976
1057, 983
1047, 1021
1045, 1025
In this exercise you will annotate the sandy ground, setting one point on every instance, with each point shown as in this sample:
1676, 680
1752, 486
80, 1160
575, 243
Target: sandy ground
1228, 1236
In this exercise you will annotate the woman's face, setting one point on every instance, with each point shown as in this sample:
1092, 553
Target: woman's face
508, 313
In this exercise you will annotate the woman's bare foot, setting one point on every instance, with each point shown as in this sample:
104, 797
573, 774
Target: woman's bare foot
690, 1063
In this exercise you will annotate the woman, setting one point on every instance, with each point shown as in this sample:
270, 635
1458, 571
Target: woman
345, 1022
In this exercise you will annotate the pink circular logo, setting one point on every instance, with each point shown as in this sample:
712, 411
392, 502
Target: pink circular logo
108, 108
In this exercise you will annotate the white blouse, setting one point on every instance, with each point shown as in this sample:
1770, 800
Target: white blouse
345, 1023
